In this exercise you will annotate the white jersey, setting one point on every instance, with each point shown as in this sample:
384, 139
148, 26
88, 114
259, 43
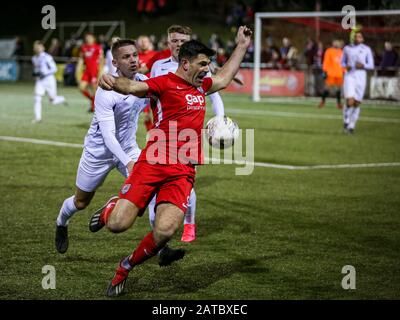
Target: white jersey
164, 66
43, 65
355, 80
124, 110
357, 53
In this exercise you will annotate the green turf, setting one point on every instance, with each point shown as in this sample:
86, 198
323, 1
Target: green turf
276, 234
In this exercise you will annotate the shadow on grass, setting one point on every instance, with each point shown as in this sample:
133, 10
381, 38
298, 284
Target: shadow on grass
180, 280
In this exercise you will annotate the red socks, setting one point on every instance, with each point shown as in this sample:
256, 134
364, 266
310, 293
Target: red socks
87, 94
107, 210
146, 249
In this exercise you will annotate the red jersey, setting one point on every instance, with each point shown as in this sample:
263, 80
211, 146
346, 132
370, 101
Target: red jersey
158, 56
91, 55
144, 57
178, 111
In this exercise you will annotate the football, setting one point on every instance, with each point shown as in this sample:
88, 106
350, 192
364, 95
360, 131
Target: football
221, 132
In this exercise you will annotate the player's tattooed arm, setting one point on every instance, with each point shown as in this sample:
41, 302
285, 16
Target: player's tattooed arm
222, 79
123, 85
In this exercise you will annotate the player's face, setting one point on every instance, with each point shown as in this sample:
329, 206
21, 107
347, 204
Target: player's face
145, 43
175, 41
89, 39
38, 48
197, 69
127, 60
358, 38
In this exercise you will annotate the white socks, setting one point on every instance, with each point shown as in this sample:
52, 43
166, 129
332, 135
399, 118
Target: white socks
66, 212
350, 116
58, 100
38, 108
191, 210
346, 114
189, 215
152, 213
354, 117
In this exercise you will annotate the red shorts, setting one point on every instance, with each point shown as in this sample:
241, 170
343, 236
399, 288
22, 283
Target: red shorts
90, 76
171, 183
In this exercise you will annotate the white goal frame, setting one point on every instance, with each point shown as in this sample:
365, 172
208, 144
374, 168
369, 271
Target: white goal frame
304, 14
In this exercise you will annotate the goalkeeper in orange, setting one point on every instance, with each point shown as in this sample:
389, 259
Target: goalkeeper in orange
333, 72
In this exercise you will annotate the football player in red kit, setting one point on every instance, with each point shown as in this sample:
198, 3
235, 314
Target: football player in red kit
91, 56
166, 165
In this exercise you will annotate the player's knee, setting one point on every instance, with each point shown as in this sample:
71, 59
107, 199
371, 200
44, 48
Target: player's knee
81, 204
82, 86
164, 233
115, 227
117, 223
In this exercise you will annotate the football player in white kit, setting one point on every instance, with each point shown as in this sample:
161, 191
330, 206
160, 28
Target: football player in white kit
110, 143
44, 69
357, 58
177, 36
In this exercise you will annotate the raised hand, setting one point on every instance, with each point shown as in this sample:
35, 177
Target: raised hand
243, 36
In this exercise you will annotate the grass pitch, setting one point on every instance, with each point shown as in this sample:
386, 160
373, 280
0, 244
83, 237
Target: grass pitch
275, 234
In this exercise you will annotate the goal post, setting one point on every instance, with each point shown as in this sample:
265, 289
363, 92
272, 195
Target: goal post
259, 16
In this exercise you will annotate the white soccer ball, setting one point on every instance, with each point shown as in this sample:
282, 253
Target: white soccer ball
221, 132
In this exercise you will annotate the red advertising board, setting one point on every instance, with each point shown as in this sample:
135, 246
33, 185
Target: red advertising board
272, 83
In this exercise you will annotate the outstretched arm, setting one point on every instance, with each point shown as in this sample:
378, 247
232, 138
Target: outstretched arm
231, 67
123, 85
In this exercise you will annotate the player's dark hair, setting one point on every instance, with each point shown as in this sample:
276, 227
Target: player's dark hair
121, 43
191, 49
179, 29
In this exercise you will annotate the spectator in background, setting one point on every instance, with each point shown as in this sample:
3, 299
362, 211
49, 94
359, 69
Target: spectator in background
310, 52
270, 53
55, 48
289, 55
215, 42
19, 47
221, 57
317, 69
390, 60
249, 56
319, 55
103, 42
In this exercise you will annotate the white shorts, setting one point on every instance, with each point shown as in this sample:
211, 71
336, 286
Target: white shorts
354, 85
93, 171
46, 85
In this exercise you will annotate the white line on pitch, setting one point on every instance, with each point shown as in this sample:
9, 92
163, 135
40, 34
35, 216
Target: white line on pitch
211, 160
304, 115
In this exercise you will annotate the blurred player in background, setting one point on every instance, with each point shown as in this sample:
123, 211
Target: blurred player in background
91, 55
357, 58
333, 72
145, 68
146, 50
177, 36
44, 69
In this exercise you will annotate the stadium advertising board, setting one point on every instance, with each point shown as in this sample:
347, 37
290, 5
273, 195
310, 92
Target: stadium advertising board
272, 83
